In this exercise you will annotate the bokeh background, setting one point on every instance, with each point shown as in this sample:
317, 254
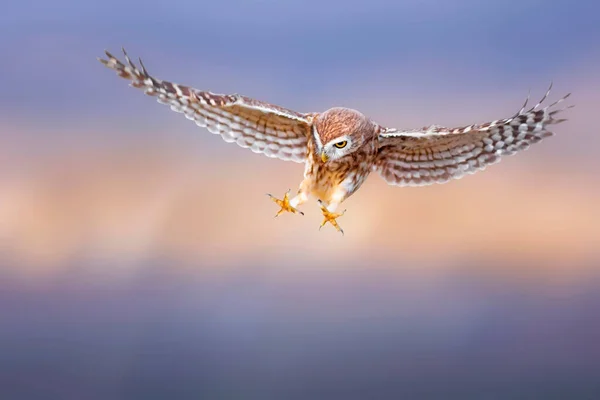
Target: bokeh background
139, 256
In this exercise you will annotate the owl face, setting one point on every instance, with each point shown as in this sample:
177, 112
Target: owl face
338, 148
339, 132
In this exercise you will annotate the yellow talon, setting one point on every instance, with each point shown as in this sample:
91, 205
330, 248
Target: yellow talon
331, 218
284, 204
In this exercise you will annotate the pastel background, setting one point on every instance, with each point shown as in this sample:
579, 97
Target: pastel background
139, 256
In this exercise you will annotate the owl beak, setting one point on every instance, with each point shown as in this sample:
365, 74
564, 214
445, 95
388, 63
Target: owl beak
324, 157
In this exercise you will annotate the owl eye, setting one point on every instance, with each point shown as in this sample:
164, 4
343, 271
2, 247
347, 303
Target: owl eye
341, 145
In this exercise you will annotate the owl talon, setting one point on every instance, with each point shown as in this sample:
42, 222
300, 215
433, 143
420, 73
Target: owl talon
331, 218
284, 204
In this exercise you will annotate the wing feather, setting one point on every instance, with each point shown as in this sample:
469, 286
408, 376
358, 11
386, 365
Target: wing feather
437, 154
262, 127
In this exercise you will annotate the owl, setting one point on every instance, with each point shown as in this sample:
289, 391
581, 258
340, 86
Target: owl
340, 147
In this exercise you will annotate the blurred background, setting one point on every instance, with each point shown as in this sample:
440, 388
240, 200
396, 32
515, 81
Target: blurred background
139, 256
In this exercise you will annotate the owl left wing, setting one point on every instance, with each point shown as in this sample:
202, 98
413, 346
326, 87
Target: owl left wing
437, 154
262, 127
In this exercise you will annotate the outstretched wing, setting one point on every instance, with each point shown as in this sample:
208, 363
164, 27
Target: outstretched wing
437, 154
260, 126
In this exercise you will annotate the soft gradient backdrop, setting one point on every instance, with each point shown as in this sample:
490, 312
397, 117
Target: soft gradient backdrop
139, 256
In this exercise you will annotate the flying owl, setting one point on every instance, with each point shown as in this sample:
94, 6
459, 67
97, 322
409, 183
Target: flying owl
341, 147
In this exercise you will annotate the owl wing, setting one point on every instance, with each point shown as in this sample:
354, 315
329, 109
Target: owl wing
436, 154
262, 127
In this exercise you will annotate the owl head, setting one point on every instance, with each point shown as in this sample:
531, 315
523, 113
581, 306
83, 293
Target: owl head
341, 131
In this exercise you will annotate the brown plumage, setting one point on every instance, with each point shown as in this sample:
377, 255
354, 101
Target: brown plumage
341, 146
346, 168
340, 121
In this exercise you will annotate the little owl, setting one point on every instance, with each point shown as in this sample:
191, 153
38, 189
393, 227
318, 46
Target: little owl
340, 147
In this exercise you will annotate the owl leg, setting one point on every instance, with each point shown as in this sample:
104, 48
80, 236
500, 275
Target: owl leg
286, 204
330, 216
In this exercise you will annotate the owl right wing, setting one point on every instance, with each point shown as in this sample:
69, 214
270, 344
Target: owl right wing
262, 127
436, 154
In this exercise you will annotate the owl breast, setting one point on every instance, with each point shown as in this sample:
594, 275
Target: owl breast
348, 172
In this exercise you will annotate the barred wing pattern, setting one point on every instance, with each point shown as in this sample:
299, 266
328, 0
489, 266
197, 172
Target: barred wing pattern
437, 154
264, 128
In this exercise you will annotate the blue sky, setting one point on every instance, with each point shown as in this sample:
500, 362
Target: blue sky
302, 48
